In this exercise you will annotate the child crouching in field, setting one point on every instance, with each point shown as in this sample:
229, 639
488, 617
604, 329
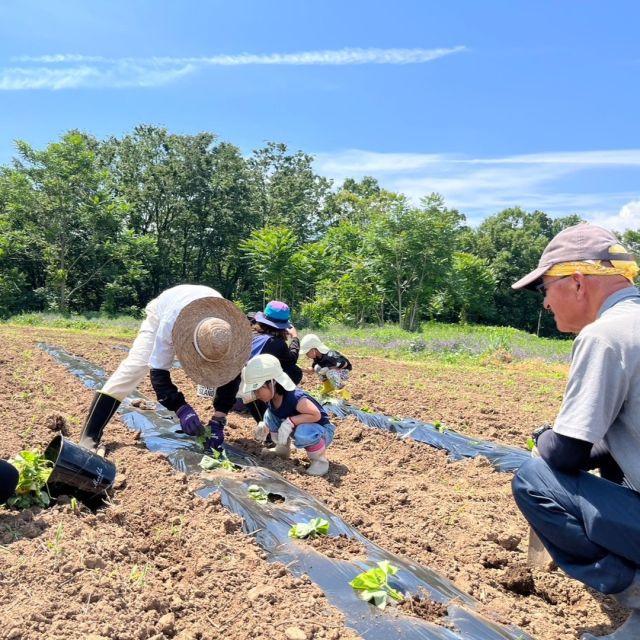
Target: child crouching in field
291, 413
332, 367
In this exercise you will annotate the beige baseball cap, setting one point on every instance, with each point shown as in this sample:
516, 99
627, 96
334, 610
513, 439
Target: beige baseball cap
583, 241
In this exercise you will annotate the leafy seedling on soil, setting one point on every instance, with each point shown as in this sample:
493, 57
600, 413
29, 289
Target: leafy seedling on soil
139, 575
34, 470
258, 493
313, 529
438, 426
55, 545
217, 460
204, 436
530, 444
373, 585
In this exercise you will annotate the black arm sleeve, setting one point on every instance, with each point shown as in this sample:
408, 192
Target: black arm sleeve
167, 393
287, 355
602, 459
226, 395
294, 349
572, 455
564, 453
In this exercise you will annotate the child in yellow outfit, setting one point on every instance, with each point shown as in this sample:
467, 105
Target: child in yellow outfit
330, 365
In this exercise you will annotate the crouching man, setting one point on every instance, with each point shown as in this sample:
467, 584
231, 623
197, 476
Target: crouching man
591, 525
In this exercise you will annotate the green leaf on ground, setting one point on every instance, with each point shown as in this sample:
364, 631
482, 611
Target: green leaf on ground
312, 529
373, 585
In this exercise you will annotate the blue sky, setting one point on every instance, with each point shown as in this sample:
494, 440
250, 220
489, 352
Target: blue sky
490, 103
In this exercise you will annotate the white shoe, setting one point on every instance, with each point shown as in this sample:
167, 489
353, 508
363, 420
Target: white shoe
319, 463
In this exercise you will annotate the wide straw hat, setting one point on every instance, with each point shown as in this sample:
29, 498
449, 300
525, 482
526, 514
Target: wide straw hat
212, 340
261, 369
311, 341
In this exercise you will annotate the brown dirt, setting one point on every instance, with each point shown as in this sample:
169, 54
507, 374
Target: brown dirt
420, 605
340, 547
160, 562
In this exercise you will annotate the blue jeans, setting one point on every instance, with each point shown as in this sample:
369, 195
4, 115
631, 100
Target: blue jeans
590, 526
304, 435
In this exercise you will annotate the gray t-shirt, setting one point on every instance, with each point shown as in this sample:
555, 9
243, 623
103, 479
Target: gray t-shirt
602, 398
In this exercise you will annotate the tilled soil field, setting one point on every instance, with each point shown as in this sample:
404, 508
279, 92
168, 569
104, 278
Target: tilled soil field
157, 561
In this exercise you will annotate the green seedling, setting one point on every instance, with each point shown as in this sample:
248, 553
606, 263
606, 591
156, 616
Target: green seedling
373, 585
530, 444
138, 575
217, 460
204, 436
438, 426
258, 493
55, 545
313, 529
34, 470
75, 507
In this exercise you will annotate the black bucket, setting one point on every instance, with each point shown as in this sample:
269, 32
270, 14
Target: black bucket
78, 468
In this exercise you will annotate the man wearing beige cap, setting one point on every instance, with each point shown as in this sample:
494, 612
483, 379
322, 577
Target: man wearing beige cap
591, 525
211, 338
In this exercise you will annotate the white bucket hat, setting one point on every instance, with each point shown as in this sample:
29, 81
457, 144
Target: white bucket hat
261, 369
212, 339
311, 341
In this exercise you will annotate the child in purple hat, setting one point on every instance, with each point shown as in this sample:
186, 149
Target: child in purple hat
272, 329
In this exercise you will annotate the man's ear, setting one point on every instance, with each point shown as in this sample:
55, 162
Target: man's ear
578, 278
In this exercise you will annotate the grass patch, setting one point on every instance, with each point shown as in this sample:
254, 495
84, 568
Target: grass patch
470, 344
445, 343
120, 326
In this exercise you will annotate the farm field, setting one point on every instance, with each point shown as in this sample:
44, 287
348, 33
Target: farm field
160, 562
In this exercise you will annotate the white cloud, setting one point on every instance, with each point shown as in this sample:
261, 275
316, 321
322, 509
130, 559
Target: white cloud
72, 71
85, 76
559, 183
627, 218
330, 57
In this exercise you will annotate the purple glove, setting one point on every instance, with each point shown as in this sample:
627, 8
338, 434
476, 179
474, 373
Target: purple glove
217, 433
189, 420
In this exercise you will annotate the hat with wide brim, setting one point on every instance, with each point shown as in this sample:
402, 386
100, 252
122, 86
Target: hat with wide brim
212, 340
312, 341
276, 314
261, 369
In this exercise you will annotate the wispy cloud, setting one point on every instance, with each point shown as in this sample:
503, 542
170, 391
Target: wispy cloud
72, 71
558, 183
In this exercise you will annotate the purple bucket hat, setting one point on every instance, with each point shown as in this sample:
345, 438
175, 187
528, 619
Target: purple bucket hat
276, 314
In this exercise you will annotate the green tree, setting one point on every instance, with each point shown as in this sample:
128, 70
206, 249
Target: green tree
287, 192
412, 250
471, 287
512, 242
61, 194
269, 252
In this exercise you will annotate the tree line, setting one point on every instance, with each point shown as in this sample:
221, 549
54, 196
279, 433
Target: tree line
92, 225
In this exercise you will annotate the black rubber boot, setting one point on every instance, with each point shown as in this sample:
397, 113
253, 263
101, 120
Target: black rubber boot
100, 412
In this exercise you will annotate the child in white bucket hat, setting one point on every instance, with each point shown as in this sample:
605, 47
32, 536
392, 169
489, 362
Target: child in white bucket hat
291, 413
330, 365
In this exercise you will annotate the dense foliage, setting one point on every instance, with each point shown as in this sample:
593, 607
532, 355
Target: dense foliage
89, 225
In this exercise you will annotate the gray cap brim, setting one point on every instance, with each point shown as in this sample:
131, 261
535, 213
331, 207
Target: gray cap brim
528, 281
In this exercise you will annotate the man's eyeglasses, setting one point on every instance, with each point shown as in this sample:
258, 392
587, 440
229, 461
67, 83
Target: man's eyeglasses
544, 286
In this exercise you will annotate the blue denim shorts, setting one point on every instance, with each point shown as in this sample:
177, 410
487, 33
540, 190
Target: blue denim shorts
305, 435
